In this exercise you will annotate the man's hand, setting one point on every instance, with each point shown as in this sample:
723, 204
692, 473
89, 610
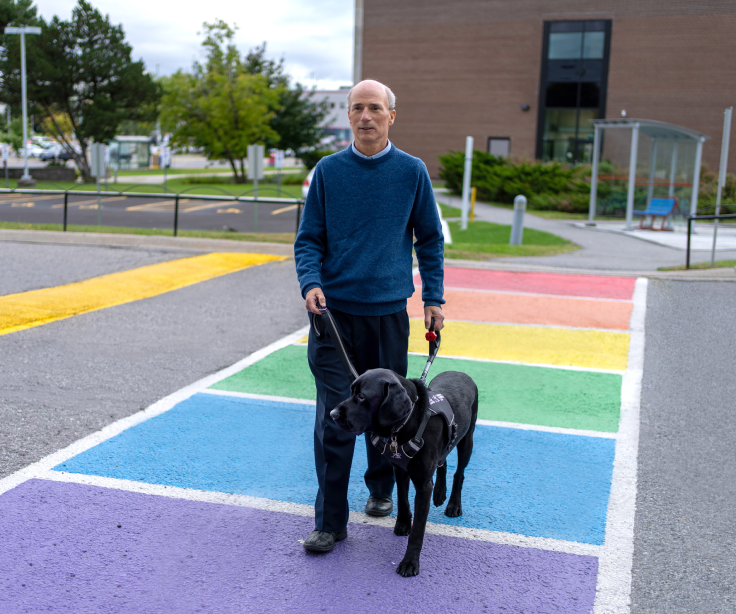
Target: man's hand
431, 311
313, 297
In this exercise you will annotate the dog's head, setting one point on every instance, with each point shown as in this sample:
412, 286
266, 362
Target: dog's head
378, 401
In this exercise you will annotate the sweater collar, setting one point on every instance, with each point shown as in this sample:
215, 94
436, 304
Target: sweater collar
383, 152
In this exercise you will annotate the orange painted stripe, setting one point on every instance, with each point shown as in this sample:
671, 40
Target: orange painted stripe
521, 309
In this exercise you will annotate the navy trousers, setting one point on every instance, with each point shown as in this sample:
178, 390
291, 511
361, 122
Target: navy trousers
371, 342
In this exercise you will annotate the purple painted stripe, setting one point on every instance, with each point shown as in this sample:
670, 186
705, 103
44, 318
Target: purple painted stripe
63, 551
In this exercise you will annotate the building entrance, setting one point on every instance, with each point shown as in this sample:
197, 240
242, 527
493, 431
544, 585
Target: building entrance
573, 88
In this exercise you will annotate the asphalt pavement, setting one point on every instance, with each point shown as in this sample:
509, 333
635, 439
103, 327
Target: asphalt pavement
64, 380
148, 212
685, 527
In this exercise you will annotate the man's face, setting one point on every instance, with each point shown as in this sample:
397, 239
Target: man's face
369, 115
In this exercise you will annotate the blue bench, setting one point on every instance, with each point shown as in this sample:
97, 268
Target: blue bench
658, 207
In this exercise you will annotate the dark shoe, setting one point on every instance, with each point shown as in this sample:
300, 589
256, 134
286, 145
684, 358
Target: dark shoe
378, 506
323, 541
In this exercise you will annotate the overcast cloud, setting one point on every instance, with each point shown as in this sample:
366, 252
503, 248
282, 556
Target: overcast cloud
314, 37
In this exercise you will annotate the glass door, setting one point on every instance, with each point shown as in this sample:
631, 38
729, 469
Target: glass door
573, 88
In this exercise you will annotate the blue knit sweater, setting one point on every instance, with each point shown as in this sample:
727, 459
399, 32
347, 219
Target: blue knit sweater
356, 233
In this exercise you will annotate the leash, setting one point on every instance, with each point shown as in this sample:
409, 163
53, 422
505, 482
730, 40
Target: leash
336, 337
434, 347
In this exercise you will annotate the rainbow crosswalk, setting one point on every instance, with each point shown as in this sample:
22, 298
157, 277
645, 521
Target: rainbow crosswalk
203, 498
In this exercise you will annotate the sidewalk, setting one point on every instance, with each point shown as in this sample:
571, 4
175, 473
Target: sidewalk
610, 251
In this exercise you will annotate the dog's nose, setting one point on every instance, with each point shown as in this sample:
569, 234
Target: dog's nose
335, 414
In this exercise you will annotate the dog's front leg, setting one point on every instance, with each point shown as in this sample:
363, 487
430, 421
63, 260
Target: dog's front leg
403, 517
410, 565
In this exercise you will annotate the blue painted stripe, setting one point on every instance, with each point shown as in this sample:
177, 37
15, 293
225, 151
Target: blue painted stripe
518, 481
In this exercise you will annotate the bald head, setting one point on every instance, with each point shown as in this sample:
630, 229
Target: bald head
372, 88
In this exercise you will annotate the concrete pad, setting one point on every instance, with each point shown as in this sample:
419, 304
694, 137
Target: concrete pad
700, 241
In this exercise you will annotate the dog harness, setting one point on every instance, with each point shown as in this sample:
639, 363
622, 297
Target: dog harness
402, 455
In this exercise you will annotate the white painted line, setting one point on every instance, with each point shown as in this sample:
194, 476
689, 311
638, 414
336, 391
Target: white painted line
616, 559
521, 364
539, 294
510, 425
299, 509
157, 408
547, 429
260, 397
621, 331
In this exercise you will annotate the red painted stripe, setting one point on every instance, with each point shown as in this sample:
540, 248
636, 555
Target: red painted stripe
593, 286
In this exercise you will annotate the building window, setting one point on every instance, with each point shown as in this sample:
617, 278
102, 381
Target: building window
499, 146
572, 89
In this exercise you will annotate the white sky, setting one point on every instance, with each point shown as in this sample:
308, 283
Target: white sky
315, 37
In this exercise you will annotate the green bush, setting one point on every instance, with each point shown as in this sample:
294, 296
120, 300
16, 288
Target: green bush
498, 179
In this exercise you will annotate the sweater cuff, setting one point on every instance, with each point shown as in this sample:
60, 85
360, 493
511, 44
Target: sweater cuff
433, 304
307, 288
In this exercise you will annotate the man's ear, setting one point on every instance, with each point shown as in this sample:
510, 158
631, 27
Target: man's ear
396, 404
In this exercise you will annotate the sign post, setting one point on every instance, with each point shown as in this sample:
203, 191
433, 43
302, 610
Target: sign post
97, 167
255, 172
5, 163
278, 162
721, 176
466, 181
165, 161
23, 30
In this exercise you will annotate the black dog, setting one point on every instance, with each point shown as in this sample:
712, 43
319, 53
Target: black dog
393, 408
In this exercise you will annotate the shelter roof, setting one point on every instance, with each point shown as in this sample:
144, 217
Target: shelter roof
653, 128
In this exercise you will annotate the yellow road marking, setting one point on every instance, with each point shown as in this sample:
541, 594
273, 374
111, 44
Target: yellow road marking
163, 205
541, 345
81, 203
31, 204
211, 205
144, 206
230, 210
29, 309
528, 344
284, 209
25, 197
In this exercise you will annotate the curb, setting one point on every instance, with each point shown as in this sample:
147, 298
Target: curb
144, 241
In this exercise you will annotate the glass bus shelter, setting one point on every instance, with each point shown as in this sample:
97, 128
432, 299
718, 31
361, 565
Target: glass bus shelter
663, 160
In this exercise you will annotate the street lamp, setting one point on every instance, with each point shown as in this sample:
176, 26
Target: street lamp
23, 30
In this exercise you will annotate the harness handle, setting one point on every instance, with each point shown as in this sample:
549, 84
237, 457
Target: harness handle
331, 326
434, 339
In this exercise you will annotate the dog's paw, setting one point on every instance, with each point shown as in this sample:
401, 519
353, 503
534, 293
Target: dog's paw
402, 529
438, 497
408, 568
453, 510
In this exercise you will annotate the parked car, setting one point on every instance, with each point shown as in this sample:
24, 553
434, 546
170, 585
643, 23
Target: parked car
306, 184
53, 152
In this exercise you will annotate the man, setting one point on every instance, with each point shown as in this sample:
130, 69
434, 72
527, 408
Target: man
353, 254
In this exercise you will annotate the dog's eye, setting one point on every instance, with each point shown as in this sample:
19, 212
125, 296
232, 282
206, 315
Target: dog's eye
361, 396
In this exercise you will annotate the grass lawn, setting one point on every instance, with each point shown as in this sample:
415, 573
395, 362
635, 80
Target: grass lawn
259, 237
448, 211
192, 171
484, 240
265, 190
718, 264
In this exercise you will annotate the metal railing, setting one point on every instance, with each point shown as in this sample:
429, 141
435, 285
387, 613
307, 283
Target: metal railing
175, 196
691, 218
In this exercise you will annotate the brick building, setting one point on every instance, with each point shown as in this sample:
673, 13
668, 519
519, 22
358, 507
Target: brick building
525, 76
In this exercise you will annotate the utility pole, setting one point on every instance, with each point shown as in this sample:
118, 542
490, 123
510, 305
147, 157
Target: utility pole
23, 30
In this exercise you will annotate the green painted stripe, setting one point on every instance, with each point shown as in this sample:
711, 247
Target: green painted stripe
508, 393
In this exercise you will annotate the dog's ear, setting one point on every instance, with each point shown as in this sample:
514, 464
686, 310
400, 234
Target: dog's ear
396, 404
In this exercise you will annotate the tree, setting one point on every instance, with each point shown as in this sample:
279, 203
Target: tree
81, 70
298, 117
220, 106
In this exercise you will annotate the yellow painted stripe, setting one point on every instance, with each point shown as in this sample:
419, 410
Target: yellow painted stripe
29, 309
564, 347
551, 346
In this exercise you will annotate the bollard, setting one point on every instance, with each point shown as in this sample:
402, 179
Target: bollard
517, 228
